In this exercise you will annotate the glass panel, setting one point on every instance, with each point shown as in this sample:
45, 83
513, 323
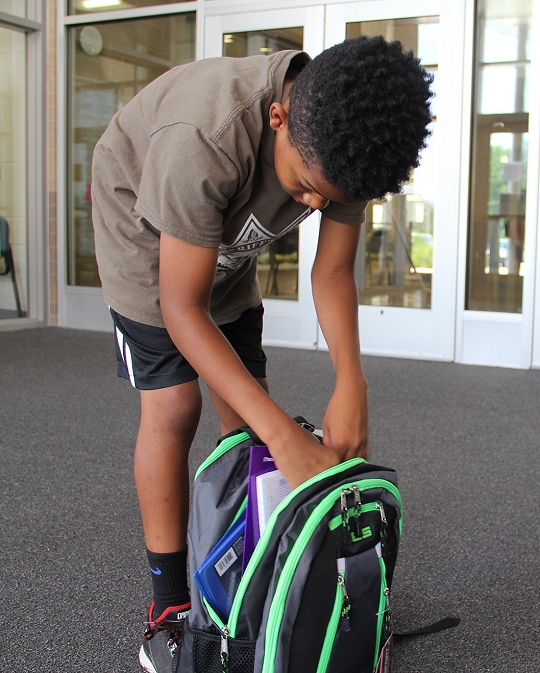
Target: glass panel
13, 285
278, 262
499, 157
15, 7
110, 63
394, 264
84, 6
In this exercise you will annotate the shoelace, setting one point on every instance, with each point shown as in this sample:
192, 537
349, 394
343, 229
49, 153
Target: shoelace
174, 641
175, 630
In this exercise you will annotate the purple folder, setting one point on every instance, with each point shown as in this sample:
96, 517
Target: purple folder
260, 462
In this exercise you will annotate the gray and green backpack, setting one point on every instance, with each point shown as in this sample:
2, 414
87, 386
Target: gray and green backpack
314, 597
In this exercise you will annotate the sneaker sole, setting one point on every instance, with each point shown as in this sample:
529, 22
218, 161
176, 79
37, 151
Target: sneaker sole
145, 662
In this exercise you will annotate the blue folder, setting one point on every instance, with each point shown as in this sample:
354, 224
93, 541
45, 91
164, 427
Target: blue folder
219, 574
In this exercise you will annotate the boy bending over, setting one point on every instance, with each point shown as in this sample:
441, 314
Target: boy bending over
204, 167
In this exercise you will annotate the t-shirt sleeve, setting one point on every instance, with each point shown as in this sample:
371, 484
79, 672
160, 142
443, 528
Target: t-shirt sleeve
346, 213
186, 184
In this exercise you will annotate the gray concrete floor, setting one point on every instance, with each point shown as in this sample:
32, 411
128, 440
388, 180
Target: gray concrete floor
74, 586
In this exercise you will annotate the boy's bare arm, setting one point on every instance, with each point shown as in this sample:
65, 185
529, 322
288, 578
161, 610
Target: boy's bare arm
336, 301
186, 275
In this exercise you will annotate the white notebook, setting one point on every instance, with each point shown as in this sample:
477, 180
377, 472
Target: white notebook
272, 488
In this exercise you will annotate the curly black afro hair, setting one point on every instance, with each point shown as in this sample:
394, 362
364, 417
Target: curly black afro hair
360, 111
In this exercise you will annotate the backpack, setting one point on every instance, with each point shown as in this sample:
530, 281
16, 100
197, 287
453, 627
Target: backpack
315, 595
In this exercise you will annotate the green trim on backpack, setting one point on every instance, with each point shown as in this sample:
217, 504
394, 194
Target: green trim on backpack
383, 607
221, 448
331, 631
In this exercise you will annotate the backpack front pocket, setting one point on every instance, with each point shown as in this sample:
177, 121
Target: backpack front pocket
204, 652
364, 620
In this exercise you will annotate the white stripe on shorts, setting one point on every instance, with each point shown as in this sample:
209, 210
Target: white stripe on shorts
129, 363
120, 339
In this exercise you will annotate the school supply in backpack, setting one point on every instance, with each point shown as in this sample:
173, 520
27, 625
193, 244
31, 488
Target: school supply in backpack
219, 574
265, 490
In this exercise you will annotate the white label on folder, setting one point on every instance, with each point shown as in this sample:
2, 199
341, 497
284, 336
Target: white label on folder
226, 561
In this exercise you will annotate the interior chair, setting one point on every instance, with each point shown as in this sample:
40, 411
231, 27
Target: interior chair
7, 258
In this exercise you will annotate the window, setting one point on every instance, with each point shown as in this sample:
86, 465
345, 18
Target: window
394, 264
278, 262
110, 63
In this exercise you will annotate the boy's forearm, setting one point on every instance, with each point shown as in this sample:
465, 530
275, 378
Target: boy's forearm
336, 302
345, 424
210, 354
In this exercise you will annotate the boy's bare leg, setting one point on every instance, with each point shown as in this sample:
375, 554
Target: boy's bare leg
229, 420
169, 419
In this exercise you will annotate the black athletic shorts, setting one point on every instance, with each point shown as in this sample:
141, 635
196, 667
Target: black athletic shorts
148, 358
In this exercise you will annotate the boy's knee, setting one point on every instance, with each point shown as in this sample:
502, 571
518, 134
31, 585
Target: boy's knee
174, 410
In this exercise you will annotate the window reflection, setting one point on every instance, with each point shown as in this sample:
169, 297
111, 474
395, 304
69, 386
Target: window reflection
499, 158
110, 63
394, 264
278, 262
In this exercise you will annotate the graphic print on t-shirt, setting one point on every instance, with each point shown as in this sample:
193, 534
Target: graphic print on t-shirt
252, 238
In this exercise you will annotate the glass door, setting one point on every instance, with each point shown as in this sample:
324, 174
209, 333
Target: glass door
109, 62
13, 175
407, 256
284, 266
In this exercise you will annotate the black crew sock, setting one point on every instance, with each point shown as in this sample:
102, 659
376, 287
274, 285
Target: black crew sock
169, 580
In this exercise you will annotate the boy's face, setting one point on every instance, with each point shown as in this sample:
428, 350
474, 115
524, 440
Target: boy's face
305, 185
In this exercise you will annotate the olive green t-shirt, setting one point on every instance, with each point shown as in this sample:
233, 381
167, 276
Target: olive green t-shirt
192, 156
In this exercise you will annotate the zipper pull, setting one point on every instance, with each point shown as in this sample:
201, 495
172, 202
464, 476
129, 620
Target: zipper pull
357, 511
346, 531
225, 649
388, 614
384, 526
345, 622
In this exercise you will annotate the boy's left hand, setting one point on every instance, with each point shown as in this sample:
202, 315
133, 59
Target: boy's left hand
345, 424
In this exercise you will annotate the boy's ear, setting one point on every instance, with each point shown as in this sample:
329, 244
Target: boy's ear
278, 116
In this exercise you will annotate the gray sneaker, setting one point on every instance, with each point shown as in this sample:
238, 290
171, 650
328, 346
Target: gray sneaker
160, 650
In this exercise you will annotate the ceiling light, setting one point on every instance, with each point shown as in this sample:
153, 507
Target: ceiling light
98, 4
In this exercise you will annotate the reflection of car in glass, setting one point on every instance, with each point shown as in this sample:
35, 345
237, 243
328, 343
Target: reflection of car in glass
422, 250
418, 237
503, 251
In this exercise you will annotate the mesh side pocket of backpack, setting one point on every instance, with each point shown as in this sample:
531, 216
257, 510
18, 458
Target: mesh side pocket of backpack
206, 654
